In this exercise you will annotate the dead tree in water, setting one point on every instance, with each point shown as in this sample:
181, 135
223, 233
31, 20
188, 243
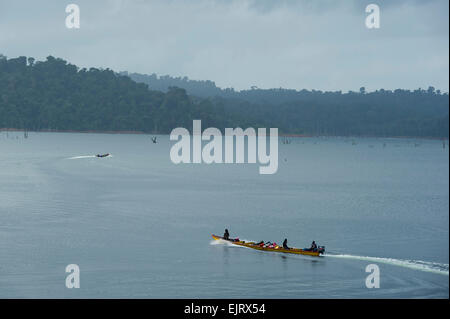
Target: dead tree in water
285, 140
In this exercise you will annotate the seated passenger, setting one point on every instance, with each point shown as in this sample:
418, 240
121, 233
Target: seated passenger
285, 246
226, 235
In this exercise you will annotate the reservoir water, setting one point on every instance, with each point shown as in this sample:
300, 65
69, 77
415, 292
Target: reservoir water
139, 226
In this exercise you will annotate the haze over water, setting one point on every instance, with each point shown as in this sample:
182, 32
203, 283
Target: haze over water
140, 226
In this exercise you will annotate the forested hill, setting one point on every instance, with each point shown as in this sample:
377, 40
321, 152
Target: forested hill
53, 94
207, 88
380, 113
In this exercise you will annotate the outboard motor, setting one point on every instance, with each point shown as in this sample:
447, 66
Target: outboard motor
321, 249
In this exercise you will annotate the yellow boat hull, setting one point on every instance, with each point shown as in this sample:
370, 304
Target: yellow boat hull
253, 245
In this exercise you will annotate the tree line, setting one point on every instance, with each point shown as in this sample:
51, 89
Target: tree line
56, 95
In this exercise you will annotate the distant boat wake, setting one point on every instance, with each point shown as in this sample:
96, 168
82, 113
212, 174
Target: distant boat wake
78, 157
87, 156
433, 267
437, 268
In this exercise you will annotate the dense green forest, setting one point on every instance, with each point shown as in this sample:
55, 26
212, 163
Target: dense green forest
56, 95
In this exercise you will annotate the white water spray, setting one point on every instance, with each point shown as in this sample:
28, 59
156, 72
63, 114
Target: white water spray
437, 268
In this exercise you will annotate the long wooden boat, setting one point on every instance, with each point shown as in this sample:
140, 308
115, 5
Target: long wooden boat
254, 245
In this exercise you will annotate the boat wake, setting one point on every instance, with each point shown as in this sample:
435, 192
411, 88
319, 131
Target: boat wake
437, 268
85, 156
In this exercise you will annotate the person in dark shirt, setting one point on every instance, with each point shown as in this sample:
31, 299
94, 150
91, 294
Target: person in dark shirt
285, 246
226, 235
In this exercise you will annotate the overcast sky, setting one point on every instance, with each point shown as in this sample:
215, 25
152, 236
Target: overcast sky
311, 44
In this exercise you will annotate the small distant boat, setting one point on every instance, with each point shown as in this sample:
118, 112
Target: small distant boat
154, 140
102, 155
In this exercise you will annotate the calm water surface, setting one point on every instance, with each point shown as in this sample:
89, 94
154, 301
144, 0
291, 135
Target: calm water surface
139, 226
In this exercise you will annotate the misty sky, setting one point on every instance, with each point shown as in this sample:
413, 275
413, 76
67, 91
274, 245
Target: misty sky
311, 44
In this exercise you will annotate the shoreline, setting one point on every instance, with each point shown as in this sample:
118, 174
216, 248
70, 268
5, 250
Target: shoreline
8, 129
